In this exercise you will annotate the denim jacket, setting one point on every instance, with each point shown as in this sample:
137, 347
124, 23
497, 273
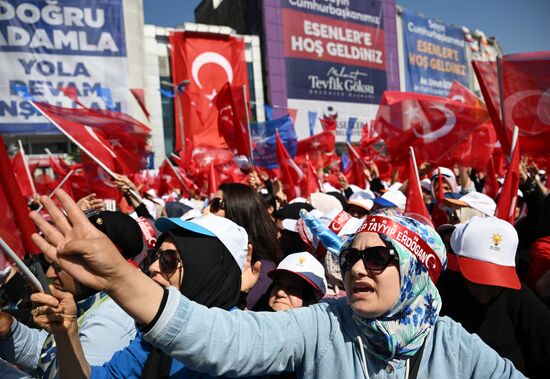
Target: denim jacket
319, 341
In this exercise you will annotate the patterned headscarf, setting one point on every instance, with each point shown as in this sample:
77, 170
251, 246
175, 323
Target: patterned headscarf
400, 332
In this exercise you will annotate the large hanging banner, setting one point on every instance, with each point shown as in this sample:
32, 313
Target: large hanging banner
208, 62
435, 55
46, 46
335, 57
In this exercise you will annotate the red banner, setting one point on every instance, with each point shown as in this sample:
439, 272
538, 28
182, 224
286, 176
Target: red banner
207, 63
526, 94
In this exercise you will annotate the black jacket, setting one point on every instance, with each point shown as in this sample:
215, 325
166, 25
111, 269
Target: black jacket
516, 323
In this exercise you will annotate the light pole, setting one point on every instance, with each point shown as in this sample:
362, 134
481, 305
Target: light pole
179, 89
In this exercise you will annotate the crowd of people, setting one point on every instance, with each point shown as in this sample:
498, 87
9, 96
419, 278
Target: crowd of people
342, 283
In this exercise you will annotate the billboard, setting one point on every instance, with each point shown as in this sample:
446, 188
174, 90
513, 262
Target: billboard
44, 46
334, 53
435, 55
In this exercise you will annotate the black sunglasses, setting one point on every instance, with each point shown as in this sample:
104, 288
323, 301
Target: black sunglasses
169, 261
216, 205
375, 258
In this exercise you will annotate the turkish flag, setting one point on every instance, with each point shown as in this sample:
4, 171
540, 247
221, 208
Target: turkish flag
328, 124
433, 125
319, 148
233, 120
60, 168
80, 186
507, 200
490, 186
439, 215
23, 174
355, 171
9, 231
526, 94
310, 183
415, 206
72, 93
291, 174
475, 150
99, 181
168, 179
116, 139
14, 207
139, 95
487, 76
208, 62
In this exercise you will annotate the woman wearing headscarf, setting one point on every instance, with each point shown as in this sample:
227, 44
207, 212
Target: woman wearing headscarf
388, 326
188, 256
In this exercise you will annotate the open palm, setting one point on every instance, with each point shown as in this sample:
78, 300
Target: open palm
76, 245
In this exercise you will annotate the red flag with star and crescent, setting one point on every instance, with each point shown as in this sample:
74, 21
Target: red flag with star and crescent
526, 94
233, 120
117, 140
291, 174
433, 125
208, 62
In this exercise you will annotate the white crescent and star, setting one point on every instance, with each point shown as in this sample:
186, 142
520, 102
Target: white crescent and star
543, 108
214, 58
450, 122
433, 266
105, 178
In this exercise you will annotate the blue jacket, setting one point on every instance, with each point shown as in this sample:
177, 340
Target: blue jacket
320, 341
104, 328
129, 363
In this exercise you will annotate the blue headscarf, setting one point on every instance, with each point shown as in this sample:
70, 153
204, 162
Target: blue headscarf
401, 331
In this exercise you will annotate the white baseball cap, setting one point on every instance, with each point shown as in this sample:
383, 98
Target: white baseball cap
392, 199
485, 252
233, 236
325, 202
305, 266
363, 199
476, 200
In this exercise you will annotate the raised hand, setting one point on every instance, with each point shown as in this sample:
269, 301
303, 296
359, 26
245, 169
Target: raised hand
77, 246
91, 202
92, 259
55, 313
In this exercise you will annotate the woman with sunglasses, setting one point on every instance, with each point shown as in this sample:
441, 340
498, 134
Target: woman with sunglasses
388, 326
244, 206
189, 257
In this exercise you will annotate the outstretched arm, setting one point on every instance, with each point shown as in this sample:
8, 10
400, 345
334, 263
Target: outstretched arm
90, 257
237, 343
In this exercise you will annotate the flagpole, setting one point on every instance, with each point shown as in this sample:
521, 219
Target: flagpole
514, 142
248, 127
413, 157
27, 170
177, 175
501, 97
24, 268
61, 183
357, 156
81, 147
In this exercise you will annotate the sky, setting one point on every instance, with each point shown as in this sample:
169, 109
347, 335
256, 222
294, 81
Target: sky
518, 25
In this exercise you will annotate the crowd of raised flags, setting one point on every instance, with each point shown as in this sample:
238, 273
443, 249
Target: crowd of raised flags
439, 161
